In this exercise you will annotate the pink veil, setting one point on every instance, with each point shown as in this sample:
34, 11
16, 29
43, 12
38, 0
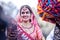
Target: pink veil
33, 19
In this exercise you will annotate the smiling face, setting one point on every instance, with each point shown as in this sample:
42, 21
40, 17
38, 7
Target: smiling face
25, 14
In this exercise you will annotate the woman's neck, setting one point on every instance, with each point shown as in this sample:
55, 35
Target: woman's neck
26, 24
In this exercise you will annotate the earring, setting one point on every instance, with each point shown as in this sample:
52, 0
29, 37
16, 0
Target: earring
29, 20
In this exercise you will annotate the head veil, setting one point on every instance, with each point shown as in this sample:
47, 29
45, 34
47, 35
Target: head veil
33, 19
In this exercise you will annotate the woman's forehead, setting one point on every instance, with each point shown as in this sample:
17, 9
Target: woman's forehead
25, 9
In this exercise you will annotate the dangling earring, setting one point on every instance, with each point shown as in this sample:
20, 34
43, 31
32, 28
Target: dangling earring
29, 20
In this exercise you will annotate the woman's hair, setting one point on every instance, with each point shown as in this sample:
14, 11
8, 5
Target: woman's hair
26, 7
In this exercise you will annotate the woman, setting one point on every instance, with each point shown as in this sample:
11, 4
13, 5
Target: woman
28, 28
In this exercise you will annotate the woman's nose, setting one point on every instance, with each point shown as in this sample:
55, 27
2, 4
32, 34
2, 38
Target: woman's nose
25, 13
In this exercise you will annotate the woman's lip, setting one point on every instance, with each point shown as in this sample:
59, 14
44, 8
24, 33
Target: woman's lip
25, 16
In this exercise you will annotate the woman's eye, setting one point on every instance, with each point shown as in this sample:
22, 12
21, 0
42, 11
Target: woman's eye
23, 12
27, 12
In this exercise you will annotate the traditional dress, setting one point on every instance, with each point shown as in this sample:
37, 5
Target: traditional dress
23, 35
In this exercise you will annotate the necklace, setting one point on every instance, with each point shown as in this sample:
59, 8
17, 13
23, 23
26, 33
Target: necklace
27, 27
30, 30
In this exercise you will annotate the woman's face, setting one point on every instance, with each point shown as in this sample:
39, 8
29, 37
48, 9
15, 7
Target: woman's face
25, 14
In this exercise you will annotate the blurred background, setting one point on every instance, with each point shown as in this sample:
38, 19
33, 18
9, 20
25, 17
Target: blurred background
11, 9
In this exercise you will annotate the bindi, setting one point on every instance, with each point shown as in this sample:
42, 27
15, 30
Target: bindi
24, 9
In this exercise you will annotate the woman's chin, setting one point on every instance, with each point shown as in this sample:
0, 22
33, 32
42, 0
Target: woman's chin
26, 20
